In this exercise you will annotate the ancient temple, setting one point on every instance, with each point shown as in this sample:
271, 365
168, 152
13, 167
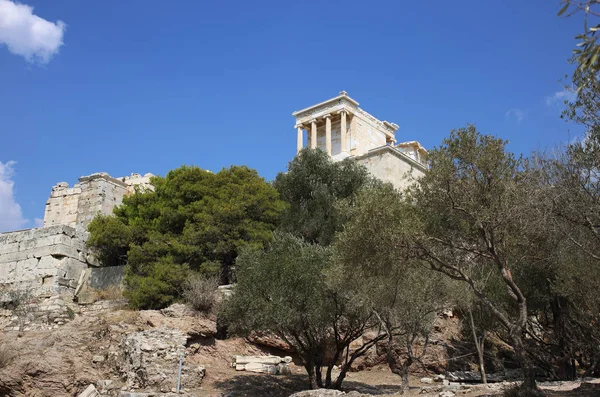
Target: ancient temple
342, 129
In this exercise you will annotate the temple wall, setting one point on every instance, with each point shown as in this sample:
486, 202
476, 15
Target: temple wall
389, 165
367, 134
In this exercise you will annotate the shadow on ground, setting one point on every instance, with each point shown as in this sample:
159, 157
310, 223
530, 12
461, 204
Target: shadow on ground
585, 390
283, 386
265, 385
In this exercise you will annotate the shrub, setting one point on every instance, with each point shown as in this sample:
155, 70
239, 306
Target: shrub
200, 292
158, 285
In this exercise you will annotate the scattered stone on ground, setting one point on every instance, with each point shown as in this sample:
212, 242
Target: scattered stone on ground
273, 365
90, 391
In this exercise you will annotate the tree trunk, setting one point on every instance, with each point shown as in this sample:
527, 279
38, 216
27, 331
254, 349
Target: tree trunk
312, 376
566, 368
338, 381
319, 376
392, 363
479, 346
404, 386
516, 338
391, 360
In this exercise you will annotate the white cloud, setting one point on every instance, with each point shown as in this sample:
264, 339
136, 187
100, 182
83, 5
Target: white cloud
11, 217
517, 114
38, 222
560, 97
28, 35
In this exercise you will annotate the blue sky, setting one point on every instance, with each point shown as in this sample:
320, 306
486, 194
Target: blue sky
146, 86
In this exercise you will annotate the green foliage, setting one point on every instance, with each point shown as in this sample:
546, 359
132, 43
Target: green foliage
478, 208
572, 186
284, 290
375, 263
155, 284
281, 289
194, 221
317, 189
110, 238
587, 51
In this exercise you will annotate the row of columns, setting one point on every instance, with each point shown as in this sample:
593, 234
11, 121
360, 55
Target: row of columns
313, 132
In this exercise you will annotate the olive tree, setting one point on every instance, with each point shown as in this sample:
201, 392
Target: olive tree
284, 290
374, 261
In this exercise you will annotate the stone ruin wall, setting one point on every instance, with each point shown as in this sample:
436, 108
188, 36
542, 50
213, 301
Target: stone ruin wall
45, 261
94, 194
54, 260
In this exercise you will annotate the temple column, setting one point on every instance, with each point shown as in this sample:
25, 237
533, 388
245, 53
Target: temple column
300, 138
313, 134
328, 133
343, 131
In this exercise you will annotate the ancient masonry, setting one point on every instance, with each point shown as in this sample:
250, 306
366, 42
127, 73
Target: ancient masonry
94, 194
342, 129
53, 259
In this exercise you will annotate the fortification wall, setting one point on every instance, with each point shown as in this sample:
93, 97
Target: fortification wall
94, 194
45, 261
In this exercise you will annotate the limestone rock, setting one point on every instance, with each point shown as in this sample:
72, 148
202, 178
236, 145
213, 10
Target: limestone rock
152, 360
181, 317
273, 360
90, 391
426, 380
270, 340
178, 310
98, 359
273, 365
447, 393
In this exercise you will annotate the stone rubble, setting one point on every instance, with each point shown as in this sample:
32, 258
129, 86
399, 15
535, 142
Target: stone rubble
273, 365
152, 360
90, 391
50, 313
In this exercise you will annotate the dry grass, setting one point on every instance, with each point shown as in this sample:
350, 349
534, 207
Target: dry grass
111, 293
123, 316
7, 354
201, 292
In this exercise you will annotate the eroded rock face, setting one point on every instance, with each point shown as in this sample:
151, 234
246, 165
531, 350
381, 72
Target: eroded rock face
152, 360
270, 340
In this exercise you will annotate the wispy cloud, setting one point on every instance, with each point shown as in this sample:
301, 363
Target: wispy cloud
27, 35
11, 216
38, 222
516, 114
559, 97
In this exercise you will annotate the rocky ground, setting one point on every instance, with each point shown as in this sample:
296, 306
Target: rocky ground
125, 353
